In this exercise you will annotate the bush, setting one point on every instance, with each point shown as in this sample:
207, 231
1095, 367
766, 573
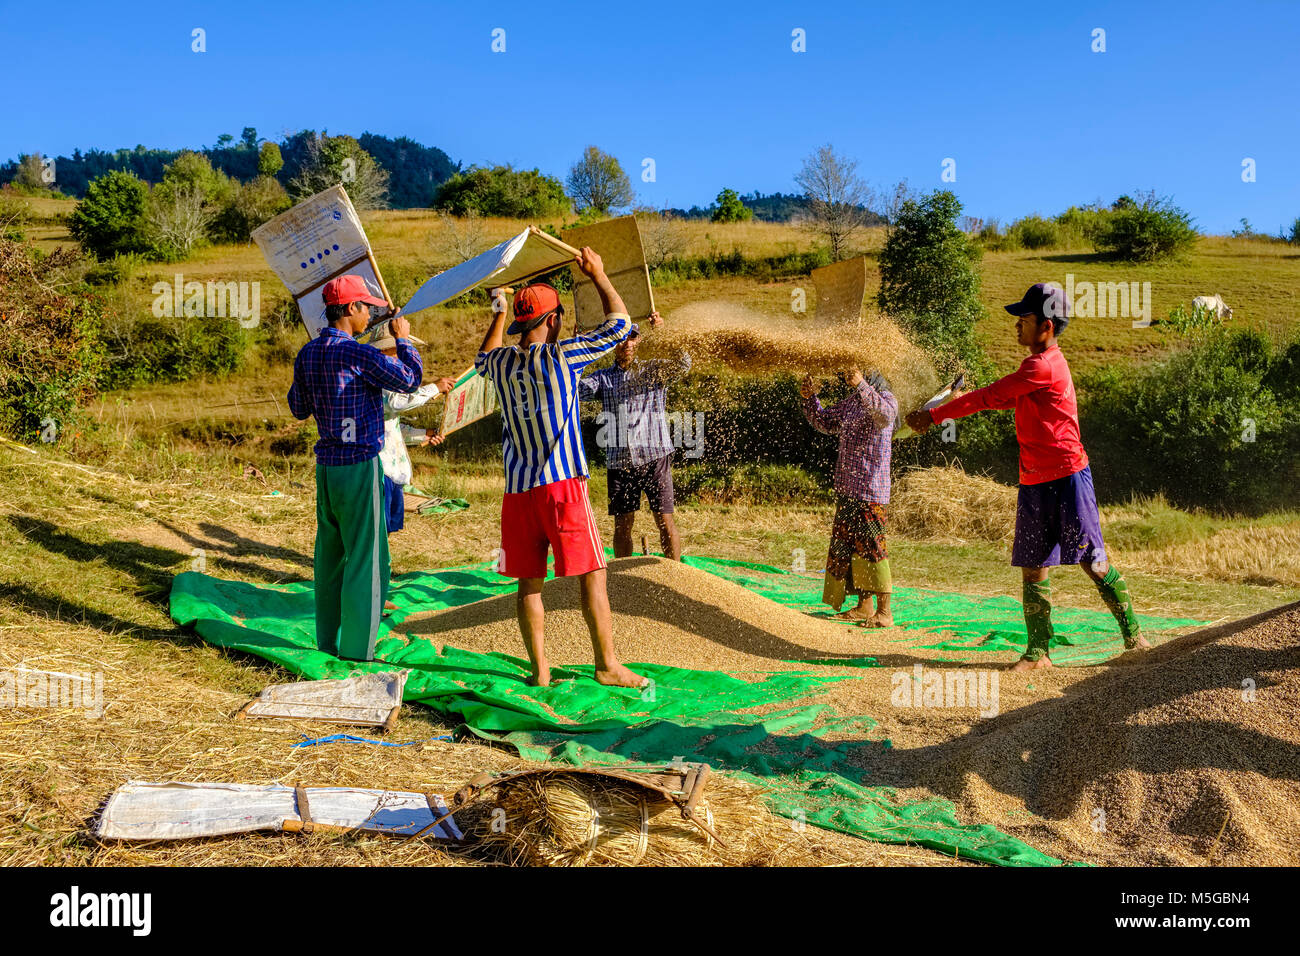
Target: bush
736, 263
1204, 426
749, 484
50, 353
1082, 223
171, 350
1147, 232
252, 204
502, 191
1035, 232
110, 219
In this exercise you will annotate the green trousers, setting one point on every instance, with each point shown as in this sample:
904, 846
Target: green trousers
352, 565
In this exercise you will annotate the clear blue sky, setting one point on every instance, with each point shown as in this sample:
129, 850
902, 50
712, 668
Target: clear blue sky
713, 92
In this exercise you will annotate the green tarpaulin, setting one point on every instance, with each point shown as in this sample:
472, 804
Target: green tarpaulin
689, 714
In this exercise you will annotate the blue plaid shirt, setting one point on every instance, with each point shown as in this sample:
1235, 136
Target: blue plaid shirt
342, 383
632, 400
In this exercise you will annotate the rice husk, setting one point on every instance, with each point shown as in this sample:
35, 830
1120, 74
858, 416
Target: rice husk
725, 334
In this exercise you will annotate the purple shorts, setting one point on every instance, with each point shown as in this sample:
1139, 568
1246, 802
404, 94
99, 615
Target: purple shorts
1057, 523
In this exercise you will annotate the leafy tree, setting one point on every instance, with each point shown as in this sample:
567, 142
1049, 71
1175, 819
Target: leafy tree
838, 198
730, 208
31, 172
224, 140
929, 281
502, 191
248, 139
598, 182
269, 160
332, 160
110, 219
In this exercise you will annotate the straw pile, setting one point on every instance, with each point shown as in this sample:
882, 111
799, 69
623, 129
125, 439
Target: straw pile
1189, 757
564, 819
946, 503
742, 340
568, 819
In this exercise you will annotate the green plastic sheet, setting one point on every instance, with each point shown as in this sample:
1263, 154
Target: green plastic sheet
804, 753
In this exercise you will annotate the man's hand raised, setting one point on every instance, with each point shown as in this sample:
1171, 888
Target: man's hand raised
592, 266
400, 327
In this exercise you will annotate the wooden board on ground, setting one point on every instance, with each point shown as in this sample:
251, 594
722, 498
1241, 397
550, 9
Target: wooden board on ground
618, 242
471, 398
840, 289
315, 241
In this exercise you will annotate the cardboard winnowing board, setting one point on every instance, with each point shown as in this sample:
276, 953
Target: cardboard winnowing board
471, 398
519, 258
840, 289
315, 241
618, 243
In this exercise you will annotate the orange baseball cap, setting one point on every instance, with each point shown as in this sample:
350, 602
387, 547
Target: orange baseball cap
533, 303
348, 289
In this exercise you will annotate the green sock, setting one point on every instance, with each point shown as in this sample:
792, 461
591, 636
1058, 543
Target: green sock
1037, 599
1115, 593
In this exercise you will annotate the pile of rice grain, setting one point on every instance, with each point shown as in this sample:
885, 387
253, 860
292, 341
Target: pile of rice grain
664, 613
1189, 757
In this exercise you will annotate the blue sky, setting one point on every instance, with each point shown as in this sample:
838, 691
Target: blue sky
713, 93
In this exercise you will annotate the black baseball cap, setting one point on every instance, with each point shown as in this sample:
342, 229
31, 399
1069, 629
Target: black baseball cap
1046, 302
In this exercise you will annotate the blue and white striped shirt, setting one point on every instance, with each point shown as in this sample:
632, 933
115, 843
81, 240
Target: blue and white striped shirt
538, 393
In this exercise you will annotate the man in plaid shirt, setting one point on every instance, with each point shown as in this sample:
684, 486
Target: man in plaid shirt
341, 382
858, 560
638, 454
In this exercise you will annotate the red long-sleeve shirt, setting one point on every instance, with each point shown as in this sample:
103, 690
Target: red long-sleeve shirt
1047, 415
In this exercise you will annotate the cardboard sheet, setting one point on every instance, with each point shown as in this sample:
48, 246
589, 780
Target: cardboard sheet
363, 699
840, 289
315, 241
530, 254
618, 243
177, 810
473, 397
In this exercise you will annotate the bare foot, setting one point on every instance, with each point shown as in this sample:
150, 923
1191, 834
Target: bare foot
540, 677
620, 676
879, 620
1027, 665
1141, 644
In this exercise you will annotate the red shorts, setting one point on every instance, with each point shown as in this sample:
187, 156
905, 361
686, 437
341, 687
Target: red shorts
555, 516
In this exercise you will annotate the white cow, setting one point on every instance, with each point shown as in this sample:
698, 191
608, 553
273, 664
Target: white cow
1213, 303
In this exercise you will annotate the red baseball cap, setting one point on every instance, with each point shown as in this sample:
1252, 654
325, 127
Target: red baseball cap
533, 303
348, 289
